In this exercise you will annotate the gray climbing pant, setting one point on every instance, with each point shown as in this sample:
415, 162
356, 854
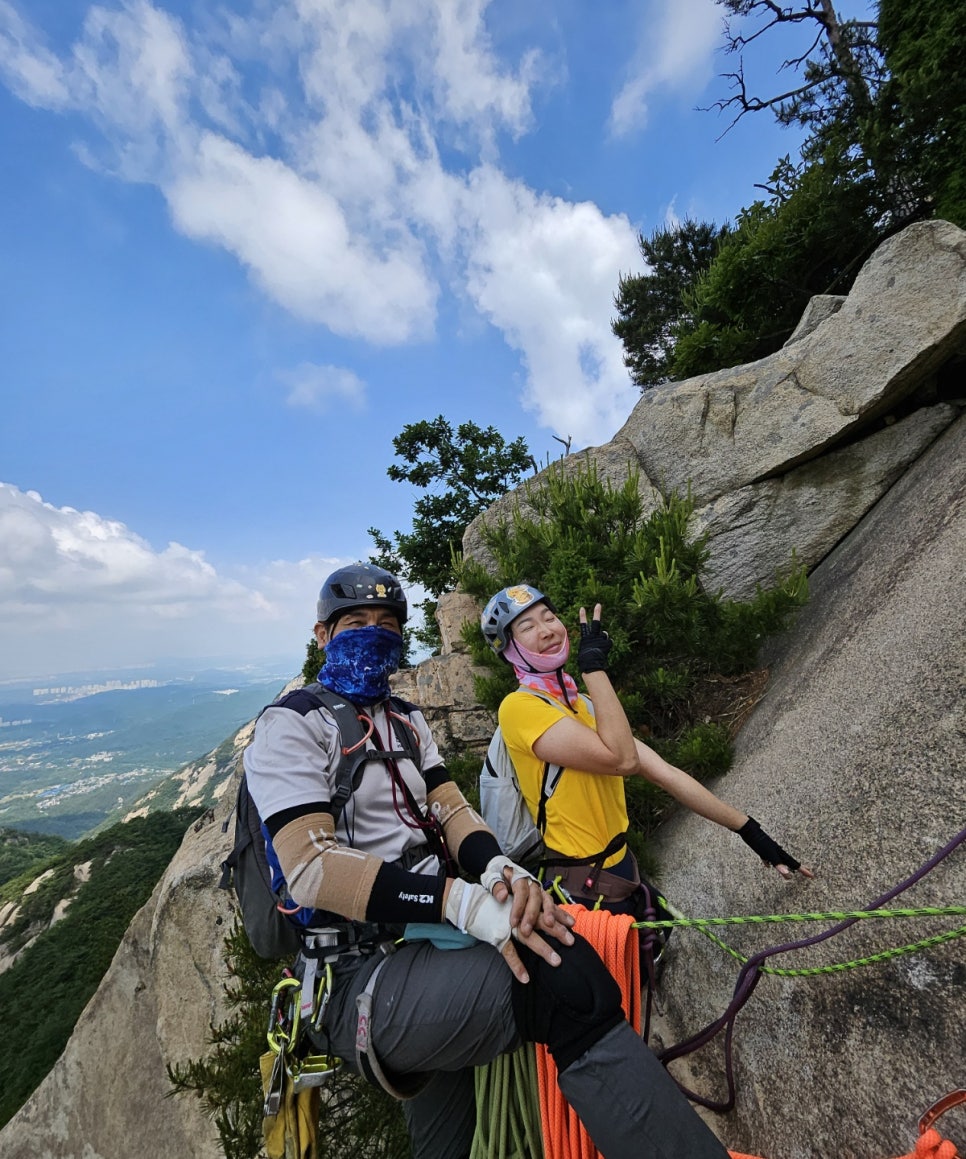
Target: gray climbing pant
443, 1012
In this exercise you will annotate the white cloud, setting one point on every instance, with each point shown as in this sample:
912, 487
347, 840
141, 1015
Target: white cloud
33, 72
354, 172
469, 82
677, 39
133, 67
293, 235
84, 591
324, 388
544, 270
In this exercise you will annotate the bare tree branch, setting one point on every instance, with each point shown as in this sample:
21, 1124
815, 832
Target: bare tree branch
840, 54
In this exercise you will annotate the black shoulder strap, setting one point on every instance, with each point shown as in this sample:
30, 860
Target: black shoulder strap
352, 738
544, 797
399, 713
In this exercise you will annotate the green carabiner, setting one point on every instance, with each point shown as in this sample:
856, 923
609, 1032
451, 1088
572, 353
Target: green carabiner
275, 1033
322, 997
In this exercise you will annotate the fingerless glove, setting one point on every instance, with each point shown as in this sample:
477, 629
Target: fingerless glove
766, 847
594, 646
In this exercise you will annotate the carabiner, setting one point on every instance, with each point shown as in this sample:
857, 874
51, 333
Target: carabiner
323, 997
276, 1032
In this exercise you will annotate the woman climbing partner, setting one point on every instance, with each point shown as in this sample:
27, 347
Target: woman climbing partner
571, 755
412, 1004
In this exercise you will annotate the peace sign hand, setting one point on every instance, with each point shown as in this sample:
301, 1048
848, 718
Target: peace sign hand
595, 644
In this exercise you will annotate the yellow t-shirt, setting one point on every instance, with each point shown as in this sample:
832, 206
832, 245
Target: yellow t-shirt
584, 810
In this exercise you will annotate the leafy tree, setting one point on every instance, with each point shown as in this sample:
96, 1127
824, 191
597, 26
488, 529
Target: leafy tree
810, 237
821, 217
922, 106
314, 658
883, 103
588, 542
651, 306
462, 471
837, 76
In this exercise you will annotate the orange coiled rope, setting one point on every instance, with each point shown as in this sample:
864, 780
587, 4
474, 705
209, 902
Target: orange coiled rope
613, 937
932, 1146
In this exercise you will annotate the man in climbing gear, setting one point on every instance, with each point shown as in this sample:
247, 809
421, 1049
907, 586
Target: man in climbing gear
444, 954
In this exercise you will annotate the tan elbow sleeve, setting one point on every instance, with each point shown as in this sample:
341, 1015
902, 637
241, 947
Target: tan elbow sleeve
321, 873
457, 817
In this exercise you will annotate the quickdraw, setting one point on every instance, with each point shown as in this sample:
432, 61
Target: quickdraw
295, 1003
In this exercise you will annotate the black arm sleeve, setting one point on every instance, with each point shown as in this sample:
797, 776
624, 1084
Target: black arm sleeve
476, 851
400, 896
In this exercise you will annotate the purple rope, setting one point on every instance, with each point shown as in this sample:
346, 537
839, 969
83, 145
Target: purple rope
750, 976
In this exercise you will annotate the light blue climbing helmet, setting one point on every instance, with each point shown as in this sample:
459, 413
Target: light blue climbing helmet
503, 609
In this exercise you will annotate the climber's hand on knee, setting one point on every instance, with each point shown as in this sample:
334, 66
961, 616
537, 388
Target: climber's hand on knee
549, 919
535, 943
534, 909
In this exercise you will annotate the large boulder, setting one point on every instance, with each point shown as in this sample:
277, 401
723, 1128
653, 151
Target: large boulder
904, 317
443, 687
808, 510
855, 760
788, 453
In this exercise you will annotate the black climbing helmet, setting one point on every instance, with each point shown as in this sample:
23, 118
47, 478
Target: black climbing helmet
361, 585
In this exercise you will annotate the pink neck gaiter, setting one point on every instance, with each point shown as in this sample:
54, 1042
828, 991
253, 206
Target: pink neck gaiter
543, 671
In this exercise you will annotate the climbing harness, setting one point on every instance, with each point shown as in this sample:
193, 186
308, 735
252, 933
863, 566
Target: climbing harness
297, 1064
400, 1087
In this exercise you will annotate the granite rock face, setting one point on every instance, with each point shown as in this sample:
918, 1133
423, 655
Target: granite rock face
788, 453
856, 760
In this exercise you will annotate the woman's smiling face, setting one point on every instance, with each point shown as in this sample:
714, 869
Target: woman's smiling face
539, 630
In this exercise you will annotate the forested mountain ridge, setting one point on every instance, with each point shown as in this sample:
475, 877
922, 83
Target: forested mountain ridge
61, 921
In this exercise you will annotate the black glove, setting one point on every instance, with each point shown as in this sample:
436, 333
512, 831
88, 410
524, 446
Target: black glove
593, 649
766, 847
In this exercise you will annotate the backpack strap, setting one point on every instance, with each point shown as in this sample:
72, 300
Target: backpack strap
353, 735
545, 797
545, 780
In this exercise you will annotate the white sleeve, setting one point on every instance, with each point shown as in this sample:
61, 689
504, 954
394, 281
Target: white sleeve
292, 760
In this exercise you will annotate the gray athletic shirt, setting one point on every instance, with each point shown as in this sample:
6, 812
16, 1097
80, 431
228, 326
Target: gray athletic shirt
292, 761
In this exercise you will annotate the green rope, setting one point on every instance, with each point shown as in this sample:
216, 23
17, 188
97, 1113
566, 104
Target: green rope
703, 925
508, 1108
823, 916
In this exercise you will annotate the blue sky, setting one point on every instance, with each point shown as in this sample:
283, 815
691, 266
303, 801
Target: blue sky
244, 244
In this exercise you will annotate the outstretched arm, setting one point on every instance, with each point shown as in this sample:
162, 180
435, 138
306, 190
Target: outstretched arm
694, 796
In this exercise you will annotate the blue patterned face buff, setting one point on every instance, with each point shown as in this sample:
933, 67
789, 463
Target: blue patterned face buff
359, 662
